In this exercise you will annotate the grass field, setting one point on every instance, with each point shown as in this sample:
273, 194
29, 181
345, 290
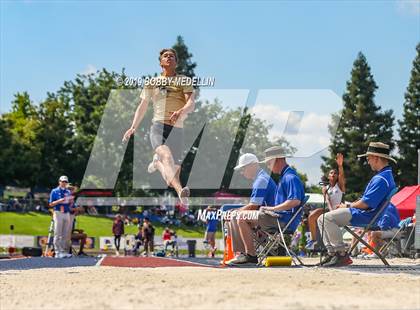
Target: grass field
37, 224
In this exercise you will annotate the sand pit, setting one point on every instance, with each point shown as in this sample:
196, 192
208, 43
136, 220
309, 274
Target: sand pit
206, 288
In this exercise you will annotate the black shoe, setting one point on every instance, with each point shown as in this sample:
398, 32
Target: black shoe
251, 259
339, 261
82, 254
326, 259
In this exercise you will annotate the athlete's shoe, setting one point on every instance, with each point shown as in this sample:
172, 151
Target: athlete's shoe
152, 166
184, 194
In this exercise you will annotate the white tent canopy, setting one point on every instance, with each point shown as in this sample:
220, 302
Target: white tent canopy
315, 198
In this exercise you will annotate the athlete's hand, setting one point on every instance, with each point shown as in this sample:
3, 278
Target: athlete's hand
128, 134
175, 115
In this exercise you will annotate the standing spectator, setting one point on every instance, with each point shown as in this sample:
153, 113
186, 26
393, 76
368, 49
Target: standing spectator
117, 230
210, 235
148, 232
60, 199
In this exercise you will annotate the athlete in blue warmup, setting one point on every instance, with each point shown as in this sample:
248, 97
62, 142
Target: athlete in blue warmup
210, 236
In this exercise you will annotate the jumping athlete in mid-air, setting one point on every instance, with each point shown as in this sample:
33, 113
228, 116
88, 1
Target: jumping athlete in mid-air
172, 102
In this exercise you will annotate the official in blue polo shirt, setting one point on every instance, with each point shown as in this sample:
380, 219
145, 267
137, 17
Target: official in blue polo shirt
262, 194
289, 195
60, 199
362, 211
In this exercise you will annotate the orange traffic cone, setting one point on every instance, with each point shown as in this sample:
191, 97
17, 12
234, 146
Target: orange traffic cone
228, 253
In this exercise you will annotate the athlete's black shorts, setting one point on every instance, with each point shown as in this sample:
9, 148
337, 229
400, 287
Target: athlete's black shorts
159, 133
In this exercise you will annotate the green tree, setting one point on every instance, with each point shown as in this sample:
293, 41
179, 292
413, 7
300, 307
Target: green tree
54, 137
86, 97
185, 65
6, 154
361, 122
22, 153
409, 128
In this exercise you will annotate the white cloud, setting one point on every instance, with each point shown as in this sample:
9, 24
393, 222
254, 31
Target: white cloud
312, 136
411, 7
89, 69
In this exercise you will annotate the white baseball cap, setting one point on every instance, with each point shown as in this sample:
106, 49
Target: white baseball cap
245, 160
63, 178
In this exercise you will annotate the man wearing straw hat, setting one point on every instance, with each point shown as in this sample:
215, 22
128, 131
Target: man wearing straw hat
289, 195
361, 211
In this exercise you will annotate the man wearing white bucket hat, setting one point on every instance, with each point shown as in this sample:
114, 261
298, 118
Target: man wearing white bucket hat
263, 192
361, 211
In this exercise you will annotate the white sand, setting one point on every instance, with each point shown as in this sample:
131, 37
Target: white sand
207, 288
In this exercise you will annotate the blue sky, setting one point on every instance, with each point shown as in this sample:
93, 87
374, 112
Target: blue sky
247, 45
244, 45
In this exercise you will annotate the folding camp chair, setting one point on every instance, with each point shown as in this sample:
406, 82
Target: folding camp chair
275, 237
394, 240
371, 226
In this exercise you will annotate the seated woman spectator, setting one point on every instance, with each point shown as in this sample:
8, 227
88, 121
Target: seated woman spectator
78, 234
166, 237
333, 193
169, 239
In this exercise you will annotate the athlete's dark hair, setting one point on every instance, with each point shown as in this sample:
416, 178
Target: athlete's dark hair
167, 50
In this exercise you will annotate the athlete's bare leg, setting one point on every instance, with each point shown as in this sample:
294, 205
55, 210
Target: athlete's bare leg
166, 166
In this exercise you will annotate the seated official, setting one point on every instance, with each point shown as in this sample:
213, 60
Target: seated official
361, 212
289, 194
263, 191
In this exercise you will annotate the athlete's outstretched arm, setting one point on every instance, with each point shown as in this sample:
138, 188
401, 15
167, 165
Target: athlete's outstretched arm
138, 117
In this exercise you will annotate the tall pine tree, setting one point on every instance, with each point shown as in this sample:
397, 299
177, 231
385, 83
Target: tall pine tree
185, 65
409, 131
361, 122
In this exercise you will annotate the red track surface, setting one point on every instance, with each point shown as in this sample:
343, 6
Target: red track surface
150, 262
